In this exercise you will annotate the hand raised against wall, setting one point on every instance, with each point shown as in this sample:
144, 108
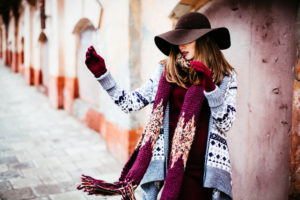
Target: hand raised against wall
95, 62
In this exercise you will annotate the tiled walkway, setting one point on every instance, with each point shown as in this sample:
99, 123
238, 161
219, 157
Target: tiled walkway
43, 151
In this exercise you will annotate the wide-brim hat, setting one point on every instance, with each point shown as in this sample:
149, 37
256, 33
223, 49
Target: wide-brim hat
189, 28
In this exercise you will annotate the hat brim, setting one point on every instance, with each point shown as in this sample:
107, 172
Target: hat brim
183, 36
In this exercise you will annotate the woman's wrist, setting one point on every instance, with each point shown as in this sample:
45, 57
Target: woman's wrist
100, 72
209, 86
107, 81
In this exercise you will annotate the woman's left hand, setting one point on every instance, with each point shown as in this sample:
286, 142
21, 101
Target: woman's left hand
204, 74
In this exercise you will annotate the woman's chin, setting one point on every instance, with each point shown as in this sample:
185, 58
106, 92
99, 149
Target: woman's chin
189, 59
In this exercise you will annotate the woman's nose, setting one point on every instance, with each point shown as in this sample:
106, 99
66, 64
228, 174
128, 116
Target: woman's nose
181, 47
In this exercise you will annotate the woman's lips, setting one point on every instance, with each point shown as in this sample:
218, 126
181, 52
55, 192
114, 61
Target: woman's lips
184, 53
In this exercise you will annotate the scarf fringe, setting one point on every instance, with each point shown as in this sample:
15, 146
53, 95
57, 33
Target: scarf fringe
100, 187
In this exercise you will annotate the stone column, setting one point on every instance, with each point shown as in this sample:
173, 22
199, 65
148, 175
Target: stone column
28, 43
135, 43
56, 74
294, 184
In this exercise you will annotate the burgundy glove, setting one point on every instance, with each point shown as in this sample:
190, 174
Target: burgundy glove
94, 62
205, 75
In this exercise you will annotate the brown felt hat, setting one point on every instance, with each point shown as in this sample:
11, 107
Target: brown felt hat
189, 28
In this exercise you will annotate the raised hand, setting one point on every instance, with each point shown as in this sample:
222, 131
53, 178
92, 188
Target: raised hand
95, 62
204, 74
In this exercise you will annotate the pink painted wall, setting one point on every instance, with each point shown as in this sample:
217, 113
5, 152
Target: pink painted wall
263, 52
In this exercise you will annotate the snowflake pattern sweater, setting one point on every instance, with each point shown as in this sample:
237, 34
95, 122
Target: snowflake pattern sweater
222, 103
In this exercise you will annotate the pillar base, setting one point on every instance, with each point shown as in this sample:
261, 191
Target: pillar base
28, 74
15, 63
21, 62
71, 92
21, 69
37, 77
9, 59
6, 58
55, 91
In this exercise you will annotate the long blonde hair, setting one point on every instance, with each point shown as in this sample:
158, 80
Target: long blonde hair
207, 52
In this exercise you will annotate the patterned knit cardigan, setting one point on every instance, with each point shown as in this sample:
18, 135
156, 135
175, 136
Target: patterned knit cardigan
222, 102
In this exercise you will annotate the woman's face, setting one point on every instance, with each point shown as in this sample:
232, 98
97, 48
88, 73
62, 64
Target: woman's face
188, 50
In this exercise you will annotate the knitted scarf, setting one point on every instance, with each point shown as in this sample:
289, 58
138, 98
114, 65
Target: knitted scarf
136, 166
182, 62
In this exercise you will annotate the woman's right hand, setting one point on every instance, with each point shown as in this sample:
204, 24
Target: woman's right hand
95, 62
204, 74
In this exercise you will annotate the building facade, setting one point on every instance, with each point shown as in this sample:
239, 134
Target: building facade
46, 41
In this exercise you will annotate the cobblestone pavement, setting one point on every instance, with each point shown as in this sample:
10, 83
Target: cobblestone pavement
44, 151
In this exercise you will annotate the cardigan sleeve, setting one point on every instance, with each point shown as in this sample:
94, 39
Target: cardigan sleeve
222, 102
134, 100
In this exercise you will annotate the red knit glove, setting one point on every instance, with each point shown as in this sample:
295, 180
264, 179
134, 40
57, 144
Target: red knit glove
94, 62
204, 74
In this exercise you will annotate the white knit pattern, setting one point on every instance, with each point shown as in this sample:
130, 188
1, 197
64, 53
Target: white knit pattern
134, 100
158, 153
218, 154
225, 114
223, 117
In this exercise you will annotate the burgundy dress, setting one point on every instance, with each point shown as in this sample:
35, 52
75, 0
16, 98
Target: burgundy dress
192, 185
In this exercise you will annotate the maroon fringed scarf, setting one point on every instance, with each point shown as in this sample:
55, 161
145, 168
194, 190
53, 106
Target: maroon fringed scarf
136, 166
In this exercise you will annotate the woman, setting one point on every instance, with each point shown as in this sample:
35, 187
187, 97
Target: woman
183, 146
